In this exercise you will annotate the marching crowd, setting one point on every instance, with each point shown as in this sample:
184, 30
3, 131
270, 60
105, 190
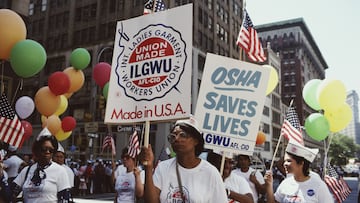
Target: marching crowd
45, 177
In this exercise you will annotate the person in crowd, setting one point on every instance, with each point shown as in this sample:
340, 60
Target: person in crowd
300, 186
5, 193
253, 176
59, 157
129, 185
186, 177
44, 180
108, 173
99, 177
12, 163
237, 188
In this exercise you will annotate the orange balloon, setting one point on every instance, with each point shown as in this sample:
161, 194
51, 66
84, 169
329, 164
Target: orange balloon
12, 30
46, 102
61, 135
76, 77
260, 138
68, 95
53, 124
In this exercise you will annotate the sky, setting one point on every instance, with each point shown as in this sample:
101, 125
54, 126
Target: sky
334, 25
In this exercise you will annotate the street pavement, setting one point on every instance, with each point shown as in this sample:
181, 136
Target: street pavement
109, 197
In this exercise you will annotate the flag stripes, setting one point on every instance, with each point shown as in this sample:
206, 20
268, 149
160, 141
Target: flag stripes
134, 145
337, 184
11, 130
109, 142
291, 128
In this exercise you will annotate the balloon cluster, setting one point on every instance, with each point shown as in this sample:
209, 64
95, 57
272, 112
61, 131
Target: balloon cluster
51, 101
101, 75
27, 58
327, 96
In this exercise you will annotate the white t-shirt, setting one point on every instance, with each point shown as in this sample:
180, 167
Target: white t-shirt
125, 186
313, 190
119, 170
49, 187
70, 174
237, 184
12, 165
202, 184
246, 175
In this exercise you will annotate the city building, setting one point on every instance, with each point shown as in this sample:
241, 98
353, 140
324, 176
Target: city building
353, 128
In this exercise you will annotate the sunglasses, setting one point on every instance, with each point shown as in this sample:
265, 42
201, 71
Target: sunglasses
47, 149
172, 136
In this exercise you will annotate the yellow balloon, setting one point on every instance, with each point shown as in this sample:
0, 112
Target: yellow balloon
76, 77
12, 30
331, 94
46, 102
61, 135
339, 118
53, 124
273, 79
63, 105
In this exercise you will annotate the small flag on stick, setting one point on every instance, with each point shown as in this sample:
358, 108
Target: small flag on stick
11, 130
291, 127
109, 142
336, 184
134, 145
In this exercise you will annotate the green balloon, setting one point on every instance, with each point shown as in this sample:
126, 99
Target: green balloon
27, 58
317, 126
105, 90
310, 93
80, 58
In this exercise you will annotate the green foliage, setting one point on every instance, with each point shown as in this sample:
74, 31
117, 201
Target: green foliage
342, 148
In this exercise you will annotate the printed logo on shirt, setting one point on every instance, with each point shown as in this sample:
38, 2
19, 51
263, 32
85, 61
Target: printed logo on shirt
174, 195
310, 192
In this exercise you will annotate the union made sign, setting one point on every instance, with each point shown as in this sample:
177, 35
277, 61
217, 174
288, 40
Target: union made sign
151, 69
230, 103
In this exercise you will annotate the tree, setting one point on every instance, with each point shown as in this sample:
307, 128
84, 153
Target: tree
342, 148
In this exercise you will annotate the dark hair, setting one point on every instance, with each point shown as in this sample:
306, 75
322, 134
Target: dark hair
195, 134
125, 152
36, 147
299, 159
214, 159
238, 157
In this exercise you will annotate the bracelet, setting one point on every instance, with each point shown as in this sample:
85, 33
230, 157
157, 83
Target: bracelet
228, 192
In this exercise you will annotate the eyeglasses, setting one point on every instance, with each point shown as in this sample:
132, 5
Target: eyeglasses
47, 149
172, 136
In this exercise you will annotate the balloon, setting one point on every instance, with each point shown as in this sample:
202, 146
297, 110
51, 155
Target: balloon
53, 124
273, 79
63, 105
331, 93
76, 77
260, 138
68, 94
24, 107
27, 58
68, 123
105, 90
101, 73
339, 118
61, 135
59, 83
28, 129
309, 93
12, 30
43, 121
46, 102
317, 126
80, 58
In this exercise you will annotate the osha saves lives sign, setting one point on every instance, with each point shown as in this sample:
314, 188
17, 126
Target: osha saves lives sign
151, 69
230, 103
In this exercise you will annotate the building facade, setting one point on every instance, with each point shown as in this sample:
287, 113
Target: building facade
353, 129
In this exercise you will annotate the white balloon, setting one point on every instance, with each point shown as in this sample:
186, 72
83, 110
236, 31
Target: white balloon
24, 107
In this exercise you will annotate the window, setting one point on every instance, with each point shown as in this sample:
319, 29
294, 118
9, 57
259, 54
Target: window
266, 111
266, 128
43, 5
200, 15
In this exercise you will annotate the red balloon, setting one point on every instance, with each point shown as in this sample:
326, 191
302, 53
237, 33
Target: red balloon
27, 129
68, 123
101, 73
59, 83
260, 138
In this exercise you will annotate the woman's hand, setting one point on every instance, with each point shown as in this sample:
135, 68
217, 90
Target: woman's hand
147, 157
268, 178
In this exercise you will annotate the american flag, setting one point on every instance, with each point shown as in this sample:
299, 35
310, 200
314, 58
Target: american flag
109, 142
291, 128
134, 145
11, 130
249, 40
150, 8
337, 184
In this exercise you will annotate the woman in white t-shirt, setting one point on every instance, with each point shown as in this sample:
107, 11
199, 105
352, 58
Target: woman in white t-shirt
300, 187
44, 180
129, 185
185, 178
